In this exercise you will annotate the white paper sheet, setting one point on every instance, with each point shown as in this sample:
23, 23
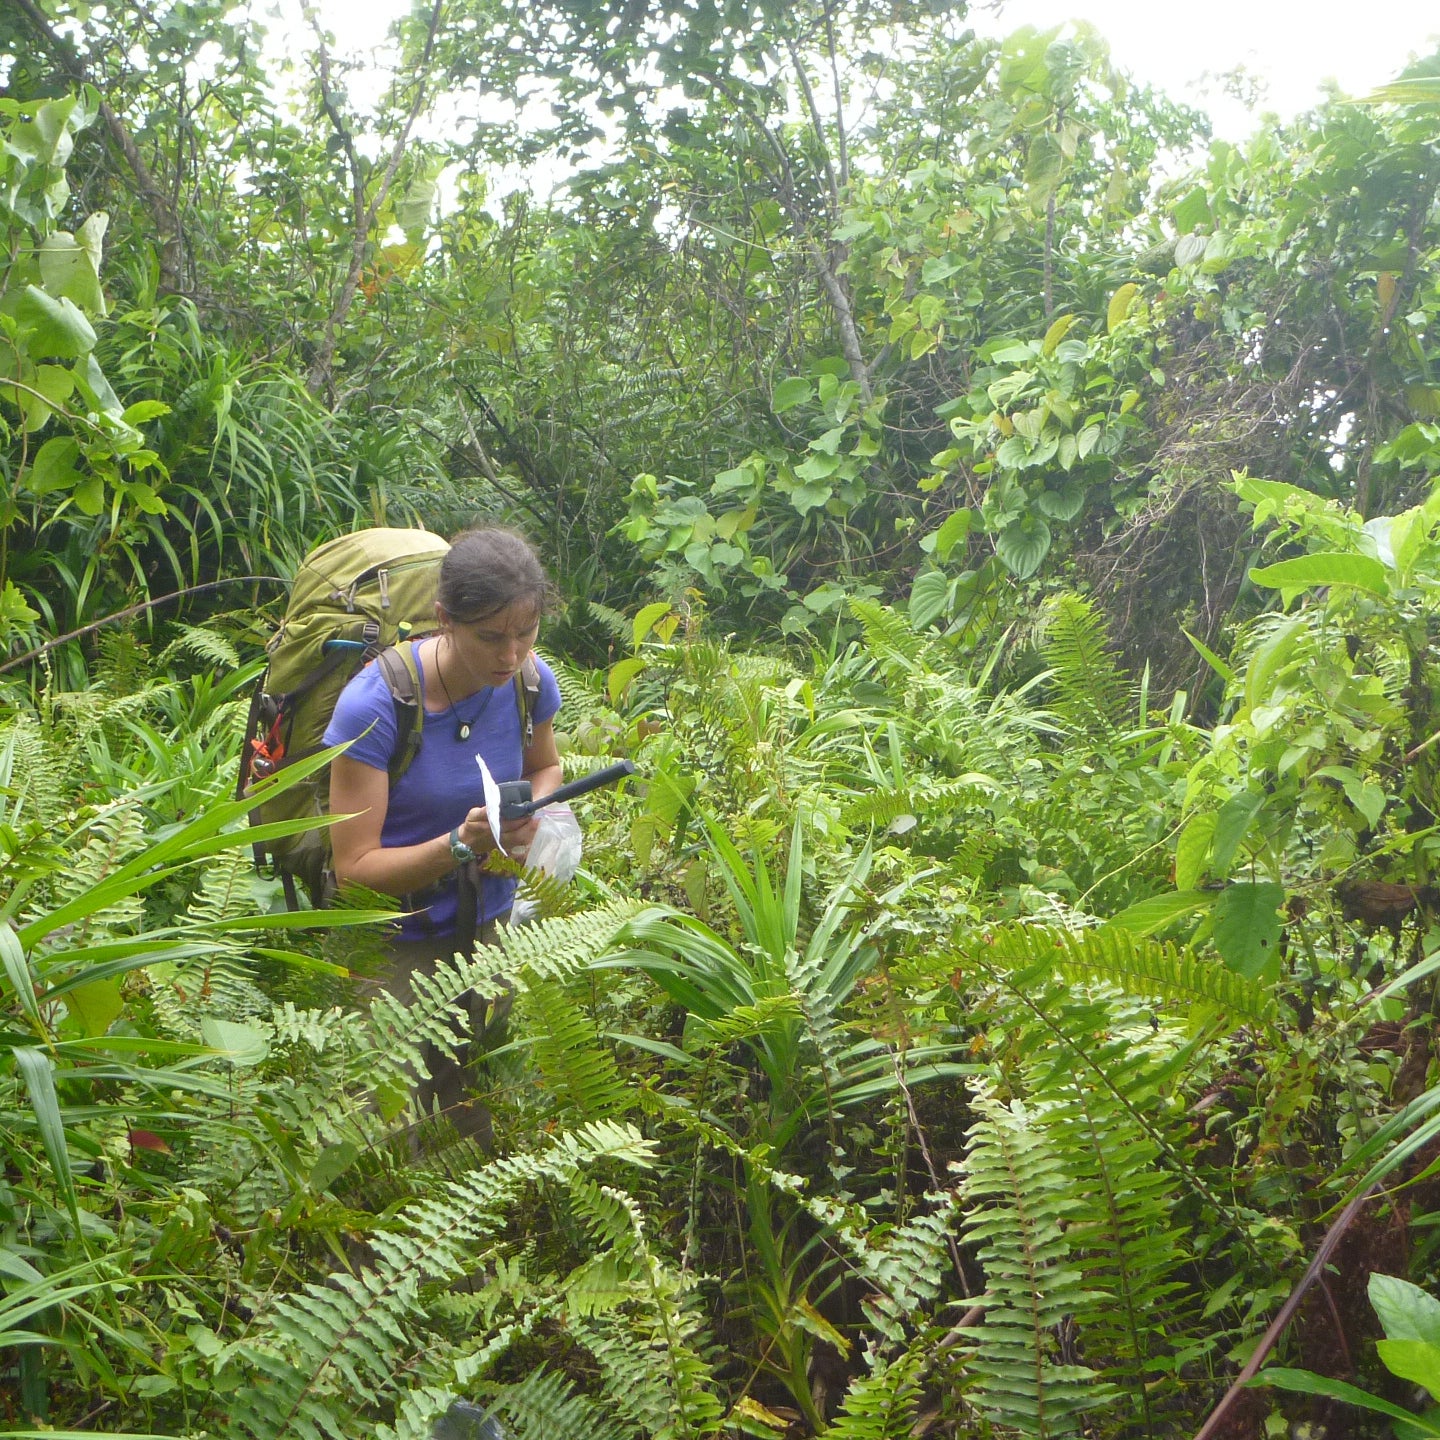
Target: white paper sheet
492, 800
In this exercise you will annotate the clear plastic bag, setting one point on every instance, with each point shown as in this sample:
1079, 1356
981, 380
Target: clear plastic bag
555, 849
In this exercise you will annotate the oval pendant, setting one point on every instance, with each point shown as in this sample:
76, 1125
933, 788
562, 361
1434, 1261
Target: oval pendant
462, 731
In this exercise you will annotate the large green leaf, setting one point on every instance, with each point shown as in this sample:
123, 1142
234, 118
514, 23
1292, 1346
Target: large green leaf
70, 264
1145, 917
51, 327
1325, 567
39, 1076
1415, 1360
1022, 545
1306, 1382
928, 596
789, 393
242, 1045
1406, 1311
1247, 927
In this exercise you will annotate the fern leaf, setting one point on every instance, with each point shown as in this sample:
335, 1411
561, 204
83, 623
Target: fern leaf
1092, 693
574, 1066
1020, 1203
884, 1404
1135, 964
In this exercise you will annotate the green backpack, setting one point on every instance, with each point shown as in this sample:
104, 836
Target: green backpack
354, 600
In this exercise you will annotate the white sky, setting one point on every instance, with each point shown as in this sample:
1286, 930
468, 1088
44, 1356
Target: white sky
1291, 47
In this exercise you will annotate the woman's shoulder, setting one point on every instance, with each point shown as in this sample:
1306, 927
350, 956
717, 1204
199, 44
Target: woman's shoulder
548, 700
364, 700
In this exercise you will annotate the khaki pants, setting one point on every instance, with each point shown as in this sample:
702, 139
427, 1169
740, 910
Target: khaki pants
447, 1093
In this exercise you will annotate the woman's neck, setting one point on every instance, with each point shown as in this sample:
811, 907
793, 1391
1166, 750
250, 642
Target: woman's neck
452, 686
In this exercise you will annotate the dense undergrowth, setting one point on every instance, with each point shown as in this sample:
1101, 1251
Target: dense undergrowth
877, 1077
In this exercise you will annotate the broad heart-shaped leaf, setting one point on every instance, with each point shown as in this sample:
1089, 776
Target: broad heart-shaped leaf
413, 209
51, 327
1119, 306
1405, 1311
90, 381
817, 466
50, 387
1231, 825
1023, 545
645, 620
1414, 1360
1325, 567
1063, 504
1247, 927
1056, 333
1190, 248
806, 497
928, 596
790, 393
96, 1005
71, 271
622, 673
952, 532
242, 1044
1192, 850
90, 495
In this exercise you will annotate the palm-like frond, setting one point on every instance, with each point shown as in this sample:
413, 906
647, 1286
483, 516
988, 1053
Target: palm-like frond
1092, 693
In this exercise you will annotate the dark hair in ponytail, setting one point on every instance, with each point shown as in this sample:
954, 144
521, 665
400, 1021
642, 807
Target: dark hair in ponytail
489, 569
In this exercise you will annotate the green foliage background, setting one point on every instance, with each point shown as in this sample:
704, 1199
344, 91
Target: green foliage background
999, 523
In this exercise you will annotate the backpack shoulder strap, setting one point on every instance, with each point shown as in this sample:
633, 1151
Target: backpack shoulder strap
527, 697
402, 678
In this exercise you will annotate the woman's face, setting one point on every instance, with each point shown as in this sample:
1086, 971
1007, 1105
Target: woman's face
490, 650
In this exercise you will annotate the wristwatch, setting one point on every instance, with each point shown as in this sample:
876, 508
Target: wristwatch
459, 849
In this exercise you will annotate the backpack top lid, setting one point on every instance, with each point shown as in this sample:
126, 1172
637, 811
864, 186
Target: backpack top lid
330, 570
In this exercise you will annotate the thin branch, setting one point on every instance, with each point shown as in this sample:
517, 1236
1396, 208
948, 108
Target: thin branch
320, 370
842, 144
1271, 1337
820, 262
137, 610
818, 125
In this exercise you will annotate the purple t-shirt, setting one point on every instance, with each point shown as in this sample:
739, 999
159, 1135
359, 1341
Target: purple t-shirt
442, 783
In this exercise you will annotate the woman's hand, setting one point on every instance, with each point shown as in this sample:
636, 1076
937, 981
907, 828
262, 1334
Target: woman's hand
515, 835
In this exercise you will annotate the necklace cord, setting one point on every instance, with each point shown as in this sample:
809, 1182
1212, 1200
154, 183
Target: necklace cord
462, 726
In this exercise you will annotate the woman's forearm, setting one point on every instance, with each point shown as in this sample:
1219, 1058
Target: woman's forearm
399, 869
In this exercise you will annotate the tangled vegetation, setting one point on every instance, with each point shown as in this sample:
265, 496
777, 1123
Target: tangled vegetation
1002, 531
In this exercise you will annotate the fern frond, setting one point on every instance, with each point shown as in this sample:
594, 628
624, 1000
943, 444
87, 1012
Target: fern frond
884, 1404
326, 1356
1092, 692
888, 633
562, 948
619, 624
1123, 1234
195, 642
1020, 1204
1135, 964
551, 897
576, 1069
936, 797
544, 1406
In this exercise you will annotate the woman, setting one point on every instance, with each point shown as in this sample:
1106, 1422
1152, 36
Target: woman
412, 839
